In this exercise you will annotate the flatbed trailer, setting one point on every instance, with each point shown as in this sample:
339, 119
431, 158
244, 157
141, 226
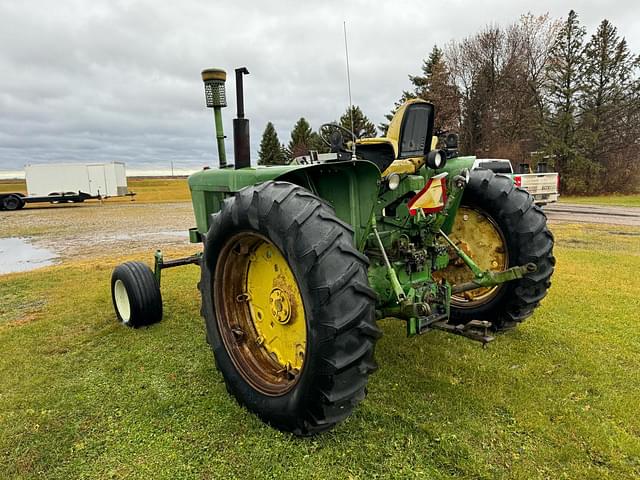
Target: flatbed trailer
16, 200
68, 183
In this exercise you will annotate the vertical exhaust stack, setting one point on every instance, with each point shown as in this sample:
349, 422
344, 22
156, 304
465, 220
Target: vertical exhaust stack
241, 143
216, 98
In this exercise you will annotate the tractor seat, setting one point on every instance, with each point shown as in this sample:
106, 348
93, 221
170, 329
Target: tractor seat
409, 136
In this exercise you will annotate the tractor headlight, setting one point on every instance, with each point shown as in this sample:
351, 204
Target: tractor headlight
393, 181
436, 159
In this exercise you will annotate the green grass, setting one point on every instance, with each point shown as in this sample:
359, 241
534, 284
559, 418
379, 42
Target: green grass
159, 189
82, 397
614, 199
13, 186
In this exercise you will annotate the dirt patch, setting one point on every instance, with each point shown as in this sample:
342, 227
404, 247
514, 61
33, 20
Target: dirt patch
19, 311
28, 318
94, 230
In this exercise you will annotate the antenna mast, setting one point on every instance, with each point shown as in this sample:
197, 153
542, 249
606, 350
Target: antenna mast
346, 52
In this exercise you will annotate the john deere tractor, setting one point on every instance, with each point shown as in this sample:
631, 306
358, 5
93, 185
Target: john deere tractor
299, 261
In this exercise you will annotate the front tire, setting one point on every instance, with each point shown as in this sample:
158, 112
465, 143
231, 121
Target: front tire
287, 306
136, 295
522, 226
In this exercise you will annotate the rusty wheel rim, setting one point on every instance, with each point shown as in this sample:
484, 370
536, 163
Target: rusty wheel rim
260, 314
480, 237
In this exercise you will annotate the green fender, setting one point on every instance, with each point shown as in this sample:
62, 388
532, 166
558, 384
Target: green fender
350, 187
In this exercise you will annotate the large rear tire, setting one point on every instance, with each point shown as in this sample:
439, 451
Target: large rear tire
287, 306
520, 236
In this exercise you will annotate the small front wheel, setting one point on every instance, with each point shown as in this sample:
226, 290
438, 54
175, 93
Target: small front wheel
136, 295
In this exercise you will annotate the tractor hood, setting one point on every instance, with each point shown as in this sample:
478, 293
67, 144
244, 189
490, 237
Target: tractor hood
231, 180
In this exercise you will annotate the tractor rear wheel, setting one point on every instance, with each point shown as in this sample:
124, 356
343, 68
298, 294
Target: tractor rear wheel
287, 306
499, 226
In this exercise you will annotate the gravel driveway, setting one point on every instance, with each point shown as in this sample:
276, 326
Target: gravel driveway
572, 213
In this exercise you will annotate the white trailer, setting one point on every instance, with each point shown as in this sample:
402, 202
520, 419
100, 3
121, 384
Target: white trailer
97, 180
69, 182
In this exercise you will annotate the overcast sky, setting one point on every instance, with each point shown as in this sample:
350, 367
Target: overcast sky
120, 80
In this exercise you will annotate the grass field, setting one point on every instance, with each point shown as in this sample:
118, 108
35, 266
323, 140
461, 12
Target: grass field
613, 200
82, 397
13, 186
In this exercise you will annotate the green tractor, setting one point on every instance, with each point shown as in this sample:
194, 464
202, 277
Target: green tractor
299, 261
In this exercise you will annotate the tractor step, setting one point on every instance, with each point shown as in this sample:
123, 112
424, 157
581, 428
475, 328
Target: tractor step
477, 330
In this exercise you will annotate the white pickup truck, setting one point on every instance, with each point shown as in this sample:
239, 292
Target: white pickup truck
545, 187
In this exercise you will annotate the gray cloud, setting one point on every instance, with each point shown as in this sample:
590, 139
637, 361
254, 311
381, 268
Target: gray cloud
119, 80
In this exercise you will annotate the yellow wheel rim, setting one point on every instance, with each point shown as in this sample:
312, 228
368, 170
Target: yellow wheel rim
477, 234
260, 313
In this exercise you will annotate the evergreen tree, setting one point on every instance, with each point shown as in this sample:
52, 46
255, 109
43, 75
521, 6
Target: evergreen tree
317, 144
362, 126
609, 123
301, 139
384, 126
564, 87
271, 152
436, 86
285, 153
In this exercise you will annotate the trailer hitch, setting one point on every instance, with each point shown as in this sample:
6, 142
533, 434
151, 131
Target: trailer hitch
477, 330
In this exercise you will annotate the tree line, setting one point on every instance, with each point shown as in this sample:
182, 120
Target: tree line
536, 90
304, 139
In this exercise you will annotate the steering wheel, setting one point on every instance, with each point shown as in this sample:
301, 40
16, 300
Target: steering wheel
331, 135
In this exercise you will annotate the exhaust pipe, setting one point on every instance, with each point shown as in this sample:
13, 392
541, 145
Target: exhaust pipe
241, 143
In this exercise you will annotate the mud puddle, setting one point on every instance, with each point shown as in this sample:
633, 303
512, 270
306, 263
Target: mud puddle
19, 255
